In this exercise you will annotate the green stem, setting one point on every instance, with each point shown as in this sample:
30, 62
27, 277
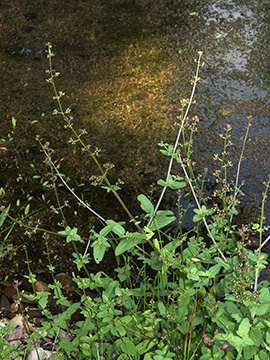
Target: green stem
260, 234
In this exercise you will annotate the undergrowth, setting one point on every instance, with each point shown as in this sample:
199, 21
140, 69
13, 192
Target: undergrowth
184, 295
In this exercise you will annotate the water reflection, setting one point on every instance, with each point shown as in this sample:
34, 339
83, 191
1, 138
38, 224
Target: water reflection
109, 51
235, 84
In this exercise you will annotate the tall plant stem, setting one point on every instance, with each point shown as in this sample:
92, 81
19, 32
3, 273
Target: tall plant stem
260, 234
195, 81
69, 125
236, 190
199, 207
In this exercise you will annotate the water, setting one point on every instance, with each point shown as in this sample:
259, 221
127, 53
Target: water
235, 84
108, 52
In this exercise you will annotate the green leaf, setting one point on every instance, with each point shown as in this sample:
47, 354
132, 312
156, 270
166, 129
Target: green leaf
173, 182
43, 299
31, 297
222, 263
120, 330
257, 336
117, 228
231, 307
128, 348
268, 336
201, 213
162, 309
249, 352
264, 355
265, 295
238, 343
131, 240
112, 188
100, 246
148, 357
71, 310
262, 309
13, 120
86, 349
193, 248
65, 232
144, 346
123, 357
214, 270
61, 319
149, 233
3, 215
197, 218
192, 275
107, 229
71, 234
26, 210
81, 260
146, 204
156, 244
67, 345
161, 219
253, 257
244, 327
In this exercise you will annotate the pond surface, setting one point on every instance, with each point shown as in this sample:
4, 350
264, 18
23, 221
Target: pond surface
124, 67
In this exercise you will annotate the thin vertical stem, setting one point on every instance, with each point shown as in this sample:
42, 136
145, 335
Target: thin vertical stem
195, 81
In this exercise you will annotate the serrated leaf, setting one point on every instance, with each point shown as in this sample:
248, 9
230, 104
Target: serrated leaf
256, 336
192, 248
238, 343
249, 352
264, 355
